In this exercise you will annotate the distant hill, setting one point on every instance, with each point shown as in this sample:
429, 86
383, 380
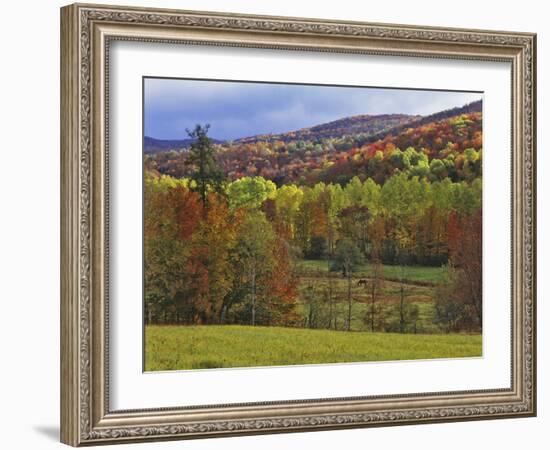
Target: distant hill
367, 125
152, 145
365, 146
473, 107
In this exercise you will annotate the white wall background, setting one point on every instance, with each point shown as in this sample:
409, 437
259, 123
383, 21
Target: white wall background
29, 224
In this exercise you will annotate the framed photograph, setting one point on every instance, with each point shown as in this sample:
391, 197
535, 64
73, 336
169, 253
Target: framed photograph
278, 224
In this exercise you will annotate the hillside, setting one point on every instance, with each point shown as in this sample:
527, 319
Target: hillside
474, 107
152, 145
450, 147
366, 125
446, 144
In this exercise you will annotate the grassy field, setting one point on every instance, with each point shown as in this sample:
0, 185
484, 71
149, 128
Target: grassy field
314, 276
420, 296
411, 273
204, 347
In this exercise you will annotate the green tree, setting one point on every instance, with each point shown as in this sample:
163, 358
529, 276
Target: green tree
405, 201
311, 218
287, 202
354, 221
202, 158
255, 241
250, 192
375, 289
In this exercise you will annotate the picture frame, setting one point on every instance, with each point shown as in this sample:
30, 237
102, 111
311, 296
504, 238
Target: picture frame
87, 34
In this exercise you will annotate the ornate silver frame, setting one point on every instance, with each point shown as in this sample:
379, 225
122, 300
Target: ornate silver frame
86, 31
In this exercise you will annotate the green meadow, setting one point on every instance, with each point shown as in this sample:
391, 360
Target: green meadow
410, 274
179, 347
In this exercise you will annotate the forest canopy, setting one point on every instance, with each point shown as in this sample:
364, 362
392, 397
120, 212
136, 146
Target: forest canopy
235, 260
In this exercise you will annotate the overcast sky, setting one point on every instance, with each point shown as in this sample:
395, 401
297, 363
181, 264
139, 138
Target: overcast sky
235, 109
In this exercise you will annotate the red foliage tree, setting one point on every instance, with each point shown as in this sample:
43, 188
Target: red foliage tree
464, 235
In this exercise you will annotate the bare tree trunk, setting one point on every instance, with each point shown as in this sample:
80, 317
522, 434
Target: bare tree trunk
402, 310
253, 295
223, 312
330, 305
373, 297
348, 271
330, 253
402, 291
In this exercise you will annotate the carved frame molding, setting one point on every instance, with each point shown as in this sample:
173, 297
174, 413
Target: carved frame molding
86, 31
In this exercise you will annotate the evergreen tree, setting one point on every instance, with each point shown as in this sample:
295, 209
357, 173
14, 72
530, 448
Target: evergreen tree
202, 157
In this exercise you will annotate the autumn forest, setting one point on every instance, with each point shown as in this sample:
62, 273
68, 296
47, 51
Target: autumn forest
359, 237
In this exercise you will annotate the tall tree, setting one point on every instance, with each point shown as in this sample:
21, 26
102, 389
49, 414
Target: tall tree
465, 246
282, 285
375, 290
346, 258
255, 241
202, 158
287, 202
405, 200
354, 221
210, 260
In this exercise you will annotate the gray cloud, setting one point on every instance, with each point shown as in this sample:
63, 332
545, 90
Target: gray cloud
238, 109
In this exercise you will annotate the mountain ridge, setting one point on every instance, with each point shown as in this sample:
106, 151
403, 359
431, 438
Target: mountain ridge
153, 145
356, 124
369, 127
